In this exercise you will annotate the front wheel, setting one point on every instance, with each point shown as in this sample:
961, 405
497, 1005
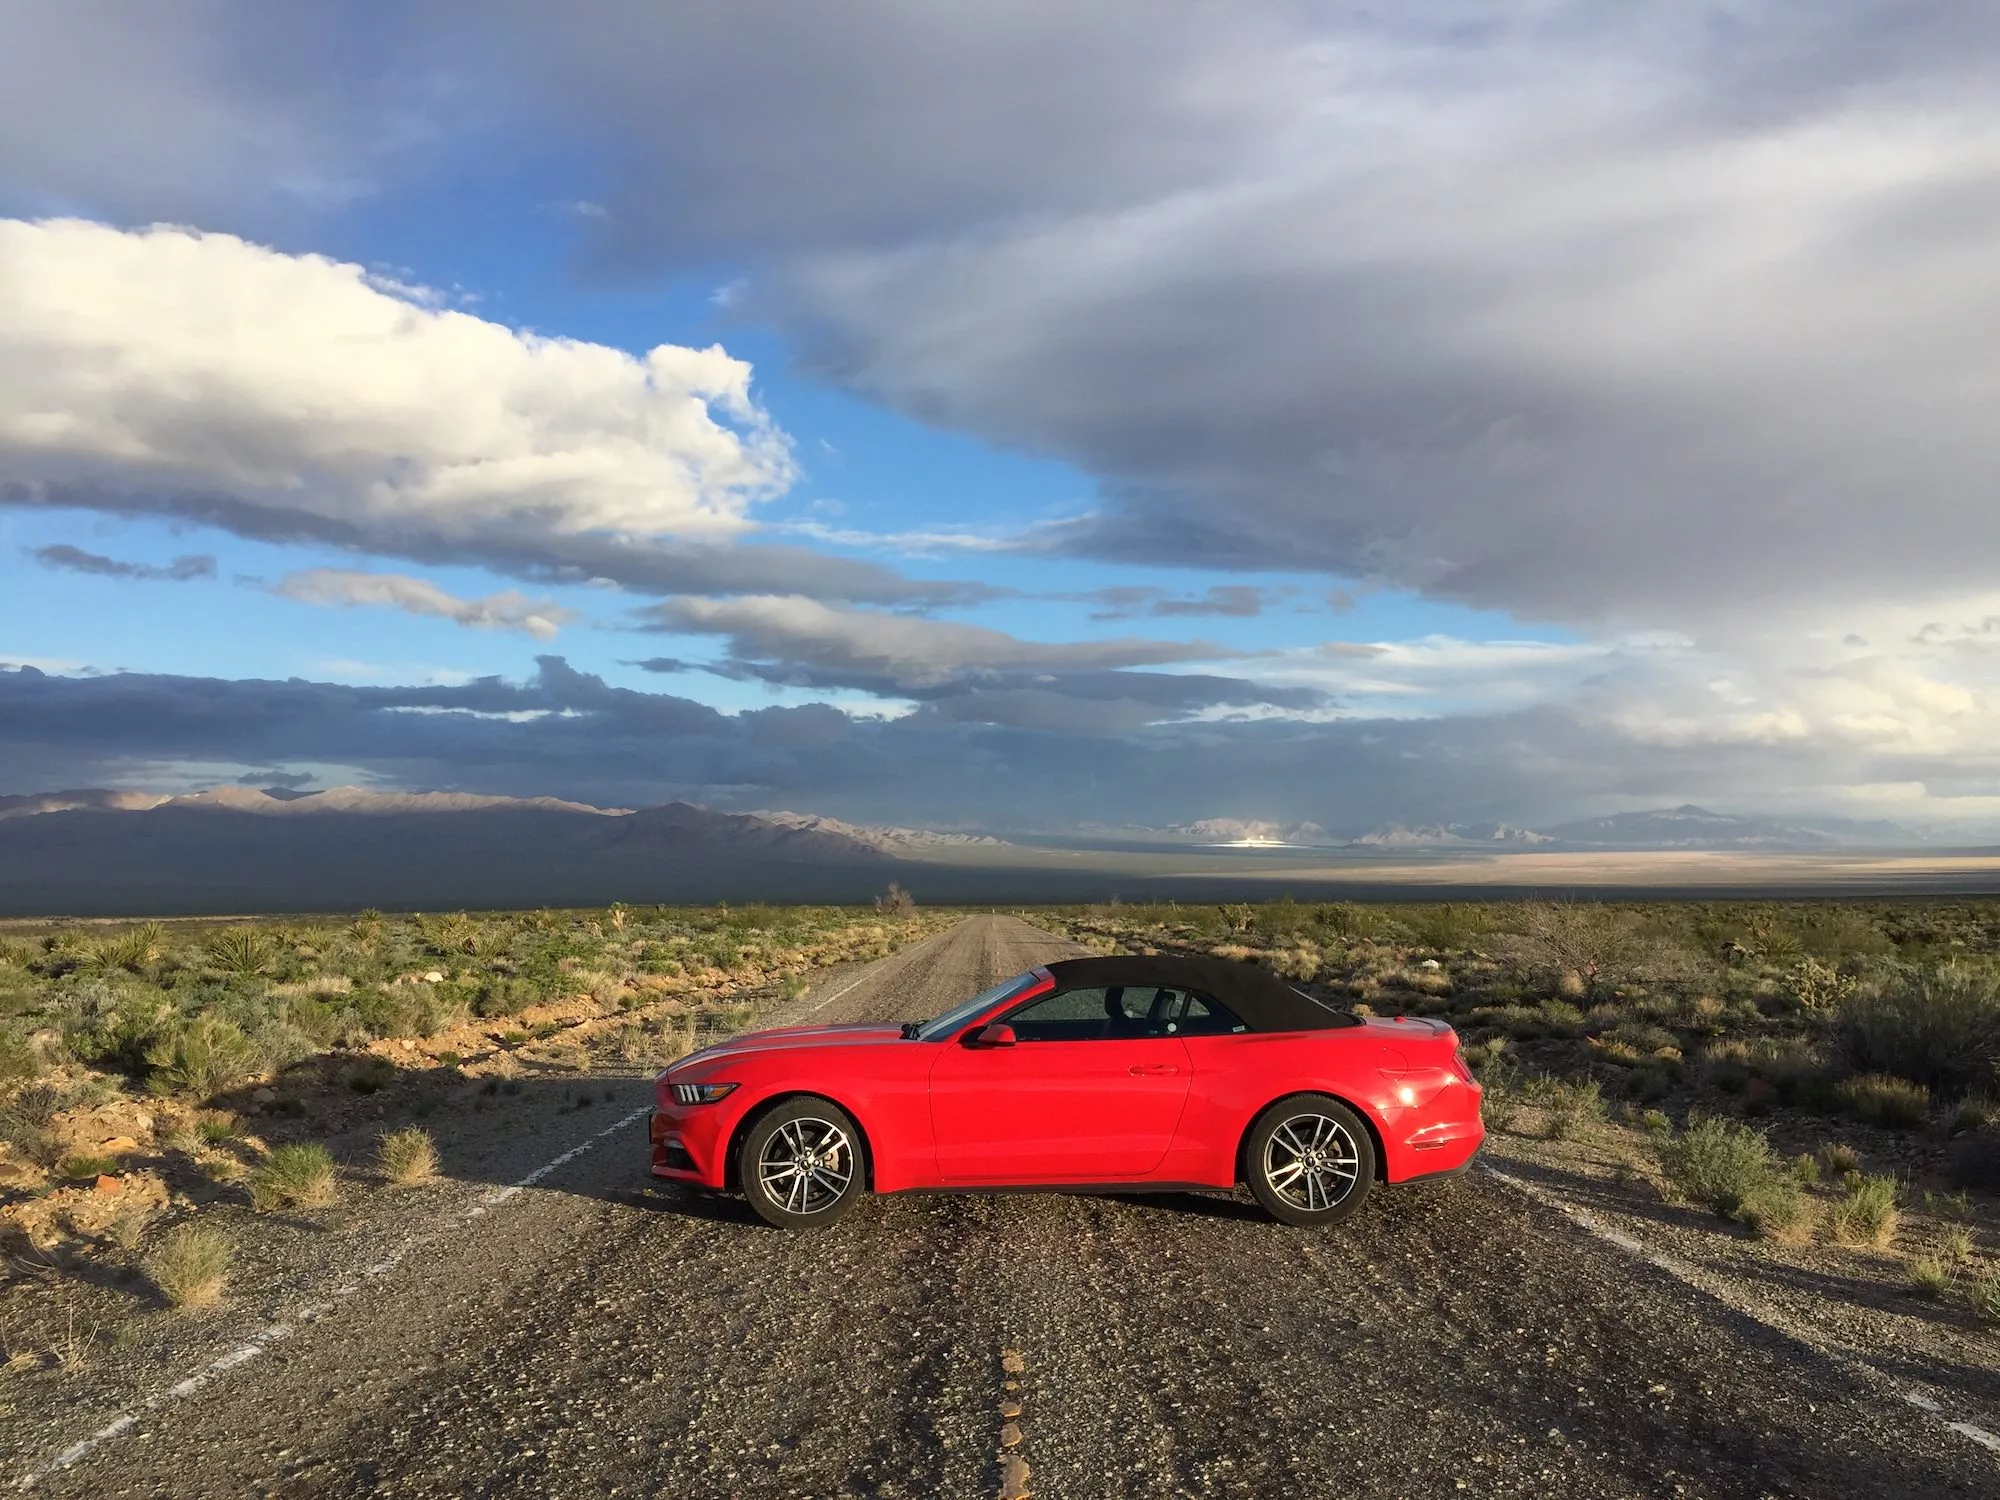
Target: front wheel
800, 1164
1309, 1160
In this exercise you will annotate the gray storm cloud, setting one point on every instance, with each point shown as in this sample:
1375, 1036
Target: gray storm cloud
1659, 319
568, 733
1649, 313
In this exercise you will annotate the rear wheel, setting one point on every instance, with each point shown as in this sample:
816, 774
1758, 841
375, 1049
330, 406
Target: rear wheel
1309, 1160
800, 1165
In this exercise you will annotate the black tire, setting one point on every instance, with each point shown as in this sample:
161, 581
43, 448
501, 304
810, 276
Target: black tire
1320, 1155
809, 1130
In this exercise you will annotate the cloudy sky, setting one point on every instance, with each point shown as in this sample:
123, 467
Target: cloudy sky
1015, 415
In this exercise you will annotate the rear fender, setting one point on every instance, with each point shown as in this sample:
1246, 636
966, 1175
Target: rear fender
1362, 1112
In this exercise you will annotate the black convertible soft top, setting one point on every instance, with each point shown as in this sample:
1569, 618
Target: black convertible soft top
1259, 999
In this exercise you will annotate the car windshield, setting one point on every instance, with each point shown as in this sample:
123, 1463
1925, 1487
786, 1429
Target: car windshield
940, 1027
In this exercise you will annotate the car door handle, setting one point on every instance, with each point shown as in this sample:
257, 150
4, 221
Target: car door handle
1151, 1070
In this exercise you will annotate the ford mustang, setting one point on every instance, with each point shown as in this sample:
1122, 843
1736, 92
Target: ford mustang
1128, 1073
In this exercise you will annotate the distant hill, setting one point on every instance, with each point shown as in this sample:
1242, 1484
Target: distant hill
1691, 827
237, 849
1450, 835
888, 840
32, 803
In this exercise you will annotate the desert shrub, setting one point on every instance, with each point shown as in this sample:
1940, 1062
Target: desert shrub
280, 1044
1839, 1159
1726, 1066
84, 1165
408, 1157
27, 1122
1717, 1164
1880, 1099
1866, 1213
190, 1265
113, 1023
1974, 1112
1449, 928
301, 1176
204, 1056
1929, 1277
1983, 1297
1566, 937
504, 996
1650, 1083
371, 1075
1567, 1107
1301, 963
1842, 932
313, 1018
1939, 1027
1641, 1037
19, 1057
1777, 1208
1573, 1107
896, 902
1560, 1018
1816, 986
392, 1011
240, 952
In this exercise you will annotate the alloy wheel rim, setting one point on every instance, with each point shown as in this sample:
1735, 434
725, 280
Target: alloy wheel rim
1311, 1162
806, 1165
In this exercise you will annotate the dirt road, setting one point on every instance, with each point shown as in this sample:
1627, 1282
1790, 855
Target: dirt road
594, 1336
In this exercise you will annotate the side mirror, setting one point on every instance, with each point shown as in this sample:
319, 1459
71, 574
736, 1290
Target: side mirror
999, 1034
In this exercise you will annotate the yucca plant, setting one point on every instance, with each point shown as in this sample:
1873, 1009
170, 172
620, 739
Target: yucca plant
240, 952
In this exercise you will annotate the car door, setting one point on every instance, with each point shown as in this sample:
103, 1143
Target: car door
1090, 1091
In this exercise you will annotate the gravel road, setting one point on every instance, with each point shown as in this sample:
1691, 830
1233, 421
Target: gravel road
599, 1336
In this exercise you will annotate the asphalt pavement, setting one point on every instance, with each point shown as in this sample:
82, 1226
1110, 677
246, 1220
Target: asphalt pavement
598, 1335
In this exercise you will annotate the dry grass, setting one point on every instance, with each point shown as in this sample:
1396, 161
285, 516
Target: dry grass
1929, 1277
190, 1265
294, 1177
1880, 1099
408, 1157
1866, 1213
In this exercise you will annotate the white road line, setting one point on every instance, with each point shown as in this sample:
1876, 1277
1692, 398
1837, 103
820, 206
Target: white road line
852, 985
261, 1340
1683, 1271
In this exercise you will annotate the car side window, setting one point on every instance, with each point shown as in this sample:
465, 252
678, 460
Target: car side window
1198, 1015
1099, 1013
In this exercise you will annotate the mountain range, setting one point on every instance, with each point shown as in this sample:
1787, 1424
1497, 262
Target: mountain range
237, 848
1684, 827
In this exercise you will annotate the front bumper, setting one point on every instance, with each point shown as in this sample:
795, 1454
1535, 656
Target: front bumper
691, 1144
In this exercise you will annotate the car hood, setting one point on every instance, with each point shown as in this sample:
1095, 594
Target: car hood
781, 1038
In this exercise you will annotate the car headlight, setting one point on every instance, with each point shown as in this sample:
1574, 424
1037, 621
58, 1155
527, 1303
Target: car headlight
700, 1093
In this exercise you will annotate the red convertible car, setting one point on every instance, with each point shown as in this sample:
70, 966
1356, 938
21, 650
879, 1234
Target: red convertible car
1125, 1073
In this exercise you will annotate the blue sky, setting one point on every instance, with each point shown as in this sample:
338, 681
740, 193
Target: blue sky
1505, 421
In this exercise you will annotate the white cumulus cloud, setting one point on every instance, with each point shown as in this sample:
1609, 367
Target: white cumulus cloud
201, 376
